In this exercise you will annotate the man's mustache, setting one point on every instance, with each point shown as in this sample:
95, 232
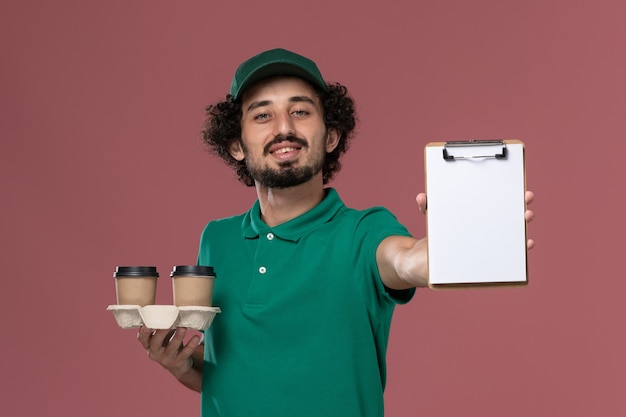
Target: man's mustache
282, 138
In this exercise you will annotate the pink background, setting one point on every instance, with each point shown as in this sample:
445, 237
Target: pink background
101, 165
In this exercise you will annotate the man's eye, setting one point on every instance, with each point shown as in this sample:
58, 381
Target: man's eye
300, 113
261, 116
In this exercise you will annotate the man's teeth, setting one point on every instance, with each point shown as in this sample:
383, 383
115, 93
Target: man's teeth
285, 150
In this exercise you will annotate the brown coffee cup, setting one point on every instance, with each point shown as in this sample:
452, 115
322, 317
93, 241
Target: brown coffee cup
192, 285
136, 285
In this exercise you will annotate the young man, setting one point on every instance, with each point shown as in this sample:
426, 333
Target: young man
307, 286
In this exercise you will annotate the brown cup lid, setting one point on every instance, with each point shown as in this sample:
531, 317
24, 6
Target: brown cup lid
193, 270
136, 271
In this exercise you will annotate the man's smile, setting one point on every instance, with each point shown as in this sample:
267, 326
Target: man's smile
285, 148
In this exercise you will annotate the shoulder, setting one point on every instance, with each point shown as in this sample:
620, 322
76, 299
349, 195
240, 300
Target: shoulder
377, 217
226, 225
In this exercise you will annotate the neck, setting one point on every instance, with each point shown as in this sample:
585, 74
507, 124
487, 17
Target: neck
281, 205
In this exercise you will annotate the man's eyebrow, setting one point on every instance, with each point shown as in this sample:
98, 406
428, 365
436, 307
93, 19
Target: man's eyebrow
257, 104
301, 99
294, 99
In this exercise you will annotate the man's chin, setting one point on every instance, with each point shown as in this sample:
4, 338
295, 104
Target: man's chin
285, 178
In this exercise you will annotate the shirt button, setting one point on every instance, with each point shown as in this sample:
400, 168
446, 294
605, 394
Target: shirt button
262, 270
270, 236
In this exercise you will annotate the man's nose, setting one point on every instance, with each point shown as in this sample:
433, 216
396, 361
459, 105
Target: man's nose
284, 125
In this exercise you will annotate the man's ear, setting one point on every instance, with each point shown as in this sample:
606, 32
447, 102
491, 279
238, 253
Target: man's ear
236, 150
332, 140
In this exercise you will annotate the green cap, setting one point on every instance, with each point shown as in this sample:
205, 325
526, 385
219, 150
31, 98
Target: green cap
271, 63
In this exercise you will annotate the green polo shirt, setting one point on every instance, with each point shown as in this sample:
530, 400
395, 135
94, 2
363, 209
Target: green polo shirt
305, 317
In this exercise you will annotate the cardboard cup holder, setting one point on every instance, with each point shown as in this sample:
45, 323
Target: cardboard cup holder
163, 316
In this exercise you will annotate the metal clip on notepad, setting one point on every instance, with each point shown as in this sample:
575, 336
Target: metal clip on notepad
473, 143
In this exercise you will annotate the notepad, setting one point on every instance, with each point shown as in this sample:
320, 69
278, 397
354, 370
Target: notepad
475, 219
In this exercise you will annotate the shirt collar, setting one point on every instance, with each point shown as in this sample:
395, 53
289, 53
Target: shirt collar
294, 229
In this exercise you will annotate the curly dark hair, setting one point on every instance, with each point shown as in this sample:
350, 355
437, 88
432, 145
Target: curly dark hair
222, 127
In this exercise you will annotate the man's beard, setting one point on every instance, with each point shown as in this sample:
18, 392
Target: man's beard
282, 178
286, 176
